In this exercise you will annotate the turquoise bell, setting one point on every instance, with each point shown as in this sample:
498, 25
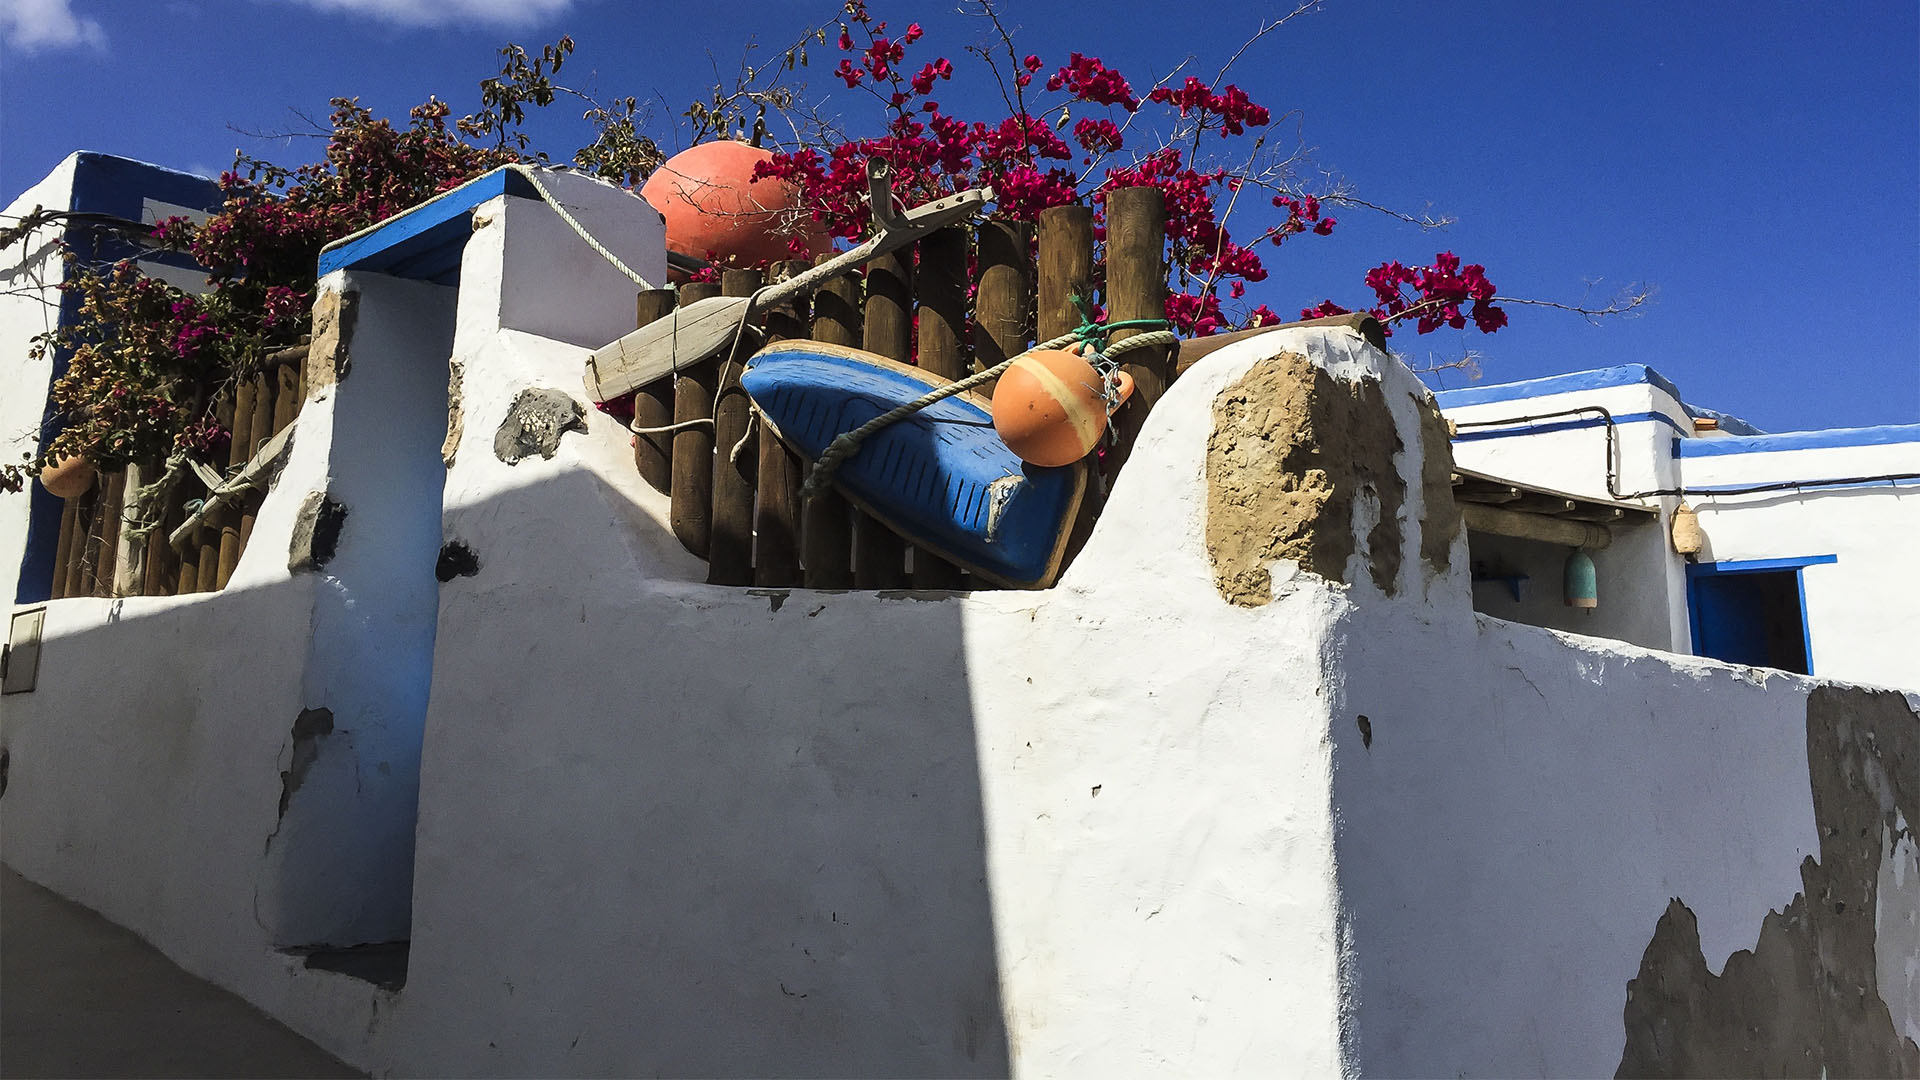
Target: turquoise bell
1582, 583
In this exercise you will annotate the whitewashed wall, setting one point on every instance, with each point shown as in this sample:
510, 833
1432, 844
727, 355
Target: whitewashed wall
1120, 827
1863, 609
30, 274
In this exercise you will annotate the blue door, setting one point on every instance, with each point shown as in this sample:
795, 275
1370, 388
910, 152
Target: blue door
1752, 612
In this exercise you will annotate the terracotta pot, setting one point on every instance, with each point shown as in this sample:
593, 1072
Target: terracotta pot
1050, 407
68, 478
715, 209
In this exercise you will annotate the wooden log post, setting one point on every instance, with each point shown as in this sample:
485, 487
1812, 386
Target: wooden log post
879, 555
112, 506
63, 548
1137, 289
691, 486
286, 395
1065, 271
227, 518
162, 569
776, 515
730, 550
86, 542
1003, 303
129, 559
826, 521
653, 404
943, 352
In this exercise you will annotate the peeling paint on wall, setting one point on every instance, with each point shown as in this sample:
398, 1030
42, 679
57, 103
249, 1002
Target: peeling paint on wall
1297, 458
309, 728
1811, 998
316, 532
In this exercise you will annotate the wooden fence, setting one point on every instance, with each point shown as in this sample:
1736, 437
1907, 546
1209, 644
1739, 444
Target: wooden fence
101, 552
742, 512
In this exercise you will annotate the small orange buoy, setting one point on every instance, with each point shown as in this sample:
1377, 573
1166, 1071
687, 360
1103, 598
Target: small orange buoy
1050, 407
714, 206
68, 478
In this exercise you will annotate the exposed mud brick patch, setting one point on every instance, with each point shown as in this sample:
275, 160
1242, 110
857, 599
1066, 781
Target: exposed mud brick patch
1440, 515
316, 532
1816, 995
456, 413
1293, 455
534, 424
330, 358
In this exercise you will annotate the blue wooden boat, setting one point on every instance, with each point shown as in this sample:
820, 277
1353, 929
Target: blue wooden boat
940, 478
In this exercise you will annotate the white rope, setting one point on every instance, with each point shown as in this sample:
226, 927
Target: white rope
596, 245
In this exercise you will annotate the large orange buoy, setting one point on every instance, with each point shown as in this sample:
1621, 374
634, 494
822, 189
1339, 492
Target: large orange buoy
68, 478
716, 209
1050, 407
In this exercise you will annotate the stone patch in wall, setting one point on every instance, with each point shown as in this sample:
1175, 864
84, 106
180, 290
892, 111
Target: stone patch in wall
1829, 988
1297, 464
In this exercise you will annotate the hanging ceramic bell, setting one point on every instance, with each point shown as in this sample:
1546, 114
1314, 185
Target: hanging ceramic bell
1050, 407
1582, 583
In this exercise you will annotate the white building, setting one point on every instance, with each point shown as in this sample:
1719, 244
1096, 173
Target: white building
1193, 810
1805, 562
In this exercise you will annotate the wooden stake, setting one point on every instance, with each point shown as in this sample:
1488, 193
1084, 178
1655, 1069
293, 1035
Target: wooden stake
943, 352
86, 539
63, 549
653, 404
1066, 271
879, 555
730, 551
826, 528
692, 483
776, 517
1066, 268
1003, 304
1137, 289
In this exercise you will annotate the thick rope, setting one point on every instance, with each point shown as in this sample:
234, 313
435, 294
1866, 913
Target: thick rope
534, 179
848, 444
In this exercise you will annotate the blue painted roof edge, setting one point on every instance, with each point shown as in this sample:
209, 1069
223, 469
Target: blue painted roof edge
1884, 435
1729, 423
1572, 382
414, 221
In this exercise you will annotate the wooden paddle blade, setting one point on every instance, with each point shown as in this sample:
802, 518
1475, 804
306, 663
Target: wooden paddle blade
683, 336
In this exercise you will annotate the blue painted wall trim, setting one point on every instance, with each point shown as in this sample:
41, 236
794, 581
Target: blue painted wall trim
425, 242
1884, 435
1566, 425
102, 184
1812, 486
1573, 382
1747, 566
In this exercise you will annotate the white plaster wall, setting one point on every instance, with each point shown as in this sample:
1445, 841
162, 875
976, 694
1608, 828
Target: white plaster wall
1863, 610
1575, 460
348, 879
673, 828
1527, 807
144, 772
30, 274
564, 289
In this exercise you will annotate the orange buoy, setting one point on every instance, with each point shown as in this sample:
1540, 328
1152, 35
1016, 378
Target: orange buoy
714, 208
1050, 407
68, 478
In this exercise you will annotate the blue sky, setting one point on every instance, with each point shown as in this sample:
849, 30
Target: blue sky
1758, 163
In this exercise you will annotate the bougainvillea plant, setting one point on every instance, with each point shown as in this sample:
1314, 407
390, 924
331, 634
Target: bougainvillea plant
146, 362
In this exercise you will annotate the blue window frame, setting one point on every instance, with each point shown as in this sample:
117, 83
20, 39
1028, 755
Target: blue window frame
1753, 611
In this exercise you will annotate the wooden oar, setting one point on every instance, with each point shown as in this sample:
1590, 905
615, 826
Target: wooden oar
698, 331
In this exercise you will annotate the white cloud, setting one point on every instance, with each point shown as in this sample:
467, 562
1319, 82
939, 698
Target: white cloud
33, 25
447, 12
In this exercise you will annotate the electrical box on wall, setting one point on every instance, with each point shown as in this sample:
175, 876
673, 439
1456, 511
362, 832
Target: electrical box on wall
20, 664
